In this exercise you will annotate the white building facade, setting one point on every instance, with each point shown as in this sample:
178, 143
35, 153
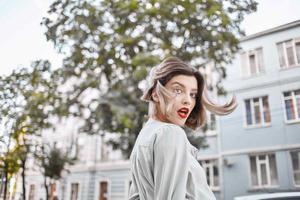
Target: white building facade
259, 143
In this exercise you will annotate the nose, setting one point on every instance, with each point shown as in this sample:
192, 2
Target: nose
187, 100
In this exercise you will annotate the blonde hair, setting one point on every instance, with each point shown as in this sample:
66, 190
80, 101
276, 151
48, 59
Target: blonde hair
164, 72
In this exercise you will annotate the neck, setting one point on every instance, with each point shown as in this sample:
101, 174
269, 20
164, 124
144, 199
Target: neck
156, 114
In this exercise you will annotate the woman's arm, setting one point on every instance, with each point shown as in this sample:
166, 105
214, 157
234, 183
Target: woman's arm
133, 191
170, 164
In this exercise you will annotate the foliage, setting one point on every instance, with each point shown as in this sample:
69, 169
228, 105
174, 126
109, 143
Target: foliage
53, 161
9, 162
27, 100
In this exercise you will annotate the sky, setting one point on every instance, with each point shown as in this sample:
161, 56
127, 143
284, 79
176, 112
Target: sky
22, 38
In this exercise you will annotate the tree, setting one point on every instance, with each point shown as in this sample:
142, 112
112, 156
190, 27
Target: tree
9, 164
110, 45
52, 162
28, 98
11, 108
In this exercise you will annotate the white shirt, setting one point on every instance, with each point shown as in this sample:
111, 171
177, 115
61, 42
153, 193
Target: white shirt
164, 166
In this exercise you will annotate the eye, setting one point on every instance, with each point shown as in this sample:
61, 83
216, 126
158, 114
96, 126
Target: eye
177, 91
194, 95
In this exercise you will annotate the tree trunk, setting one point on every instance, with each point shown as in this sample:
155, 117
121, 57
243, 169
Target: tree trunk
5, 183
46, 187
1, 186
23, 178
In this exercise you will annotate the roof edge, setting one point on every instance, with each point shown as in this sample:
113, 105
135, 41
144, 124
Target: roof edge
271, 30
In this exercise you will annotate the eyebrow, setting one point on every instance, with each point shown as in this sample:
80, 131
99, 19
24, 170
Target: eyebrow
194, 89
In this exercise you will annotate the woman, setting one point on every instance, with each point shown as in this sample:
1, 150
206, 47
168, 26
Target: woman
163, 162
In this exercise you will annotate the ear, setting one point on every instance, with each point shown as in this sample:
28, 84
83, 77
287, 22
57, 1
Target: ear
155, 96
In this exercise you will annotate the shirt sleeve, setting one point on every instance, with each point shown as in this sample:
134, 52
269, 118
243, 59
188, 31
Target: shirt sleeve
133, 191
170, 164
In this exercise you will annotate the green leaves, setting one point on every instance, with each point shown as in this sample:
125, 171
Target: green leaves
140, 73
53, 162
9, 163
28, 98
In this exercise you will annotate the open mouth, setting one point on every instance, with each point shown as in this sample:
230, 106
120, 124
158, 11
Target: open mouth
183, 113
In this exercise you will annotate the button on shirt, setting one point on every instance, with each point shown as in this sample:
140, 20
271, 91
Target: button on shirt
164, 166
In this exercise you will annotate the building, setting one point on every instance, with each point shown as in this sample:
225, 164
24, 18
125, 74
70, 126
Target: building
257, 147
99, 173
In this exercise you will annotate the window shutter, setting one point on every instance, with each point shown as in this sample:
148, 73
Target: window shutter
289, 46
244, 64
281, 55
297, 48
260, 60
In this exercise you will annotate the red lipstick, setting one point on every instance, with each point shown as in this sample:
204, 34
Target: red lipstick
183, 112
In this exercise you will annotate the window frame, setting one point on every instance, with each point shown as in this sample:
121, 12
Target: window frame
258, 170
292, 167
210, 165
293, 97
32, 194
285, 55
259, 64
261, 112
100, 189
106, 179
78, 191
211, 132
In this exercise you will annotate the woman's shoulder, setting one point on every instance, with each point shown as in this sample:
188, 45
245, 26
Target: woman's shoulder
165, 128
167, 133
161, 133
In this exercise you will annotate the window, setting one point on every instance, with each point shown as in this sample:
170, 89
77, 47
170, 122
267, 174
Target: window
103, 190
211, 121
252, 62
289, 53
52, 191
212, 172
74, 191
31, 192
263, 170
257, 111
292, 105
295, 155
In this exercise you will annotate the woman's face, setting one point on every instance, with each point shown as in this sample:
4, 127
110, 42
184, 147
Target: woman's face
184, 92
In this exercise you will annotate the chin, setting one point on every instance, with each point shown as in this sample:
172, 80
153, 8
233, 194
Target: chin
179, 123
176, 120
